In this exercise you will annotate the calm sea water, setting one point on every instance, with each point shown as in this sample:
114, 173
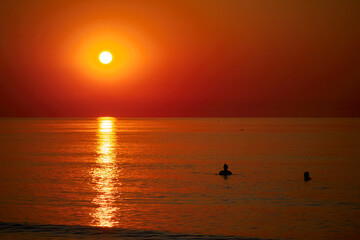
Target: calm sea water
106, 178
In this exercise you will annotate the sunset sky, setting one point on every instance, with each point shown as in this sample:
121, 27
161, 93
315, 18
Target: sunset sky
254, 58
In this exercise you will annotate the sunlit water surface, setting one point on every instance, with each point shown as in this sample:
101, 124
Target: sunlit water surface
156, 178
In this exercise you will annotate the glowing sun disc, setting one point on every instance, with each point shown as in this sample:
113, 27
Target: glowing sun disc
105, 57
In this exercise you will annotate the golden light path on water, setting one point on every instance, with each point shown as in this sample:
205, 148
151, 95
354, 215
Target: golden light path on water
105, 174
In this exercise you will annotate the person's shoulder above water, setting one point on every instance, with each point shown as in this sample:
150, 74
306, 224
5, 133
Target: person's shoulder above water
307, 176
225, 172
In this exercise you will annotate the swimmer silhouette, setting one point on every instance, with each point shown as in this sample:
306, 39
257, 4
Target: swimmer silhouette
307, 176
225, 172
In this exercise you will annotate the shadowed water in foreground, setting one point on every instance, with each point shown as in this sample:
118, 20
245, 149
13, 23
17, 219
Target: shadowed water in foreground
34, 231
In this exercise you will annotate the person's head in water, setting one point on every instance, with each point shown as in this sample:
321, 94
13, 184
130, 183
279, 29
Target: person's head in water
307, 176
225, 172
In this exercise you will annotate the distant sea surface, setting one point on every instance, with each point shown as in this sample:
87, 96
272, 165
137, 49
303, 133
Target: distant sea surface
115, 178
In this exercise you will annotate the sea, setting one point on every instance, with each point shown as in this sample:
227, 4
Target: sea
157, 178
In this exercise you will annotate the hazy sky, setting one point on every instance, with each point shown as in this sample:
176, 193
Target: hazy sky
254, 58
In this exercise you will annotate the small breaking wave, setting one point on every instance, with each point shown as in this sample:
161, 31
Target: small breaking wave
23, 230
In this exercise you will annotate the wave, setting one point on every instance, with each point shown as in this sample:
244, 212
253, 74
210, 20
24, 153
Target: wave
21, 230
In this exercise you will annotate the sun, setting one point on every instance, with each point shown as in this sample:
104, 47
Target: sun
105, 57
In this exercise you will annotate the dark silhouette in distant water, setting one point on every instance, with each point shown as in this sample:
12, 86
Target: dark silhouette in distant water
225, 172
307, 176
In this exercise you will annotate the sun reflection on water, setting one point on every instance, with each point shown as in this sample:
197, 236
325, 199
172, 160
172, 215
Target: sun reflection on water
104, 175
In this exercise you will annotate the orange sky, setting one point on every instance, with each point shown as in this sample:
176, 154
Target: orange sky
195, 58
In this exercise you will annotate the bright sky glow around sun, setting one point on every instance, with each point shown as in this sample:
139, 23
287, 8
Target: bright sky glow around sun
105, 57
102, 53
